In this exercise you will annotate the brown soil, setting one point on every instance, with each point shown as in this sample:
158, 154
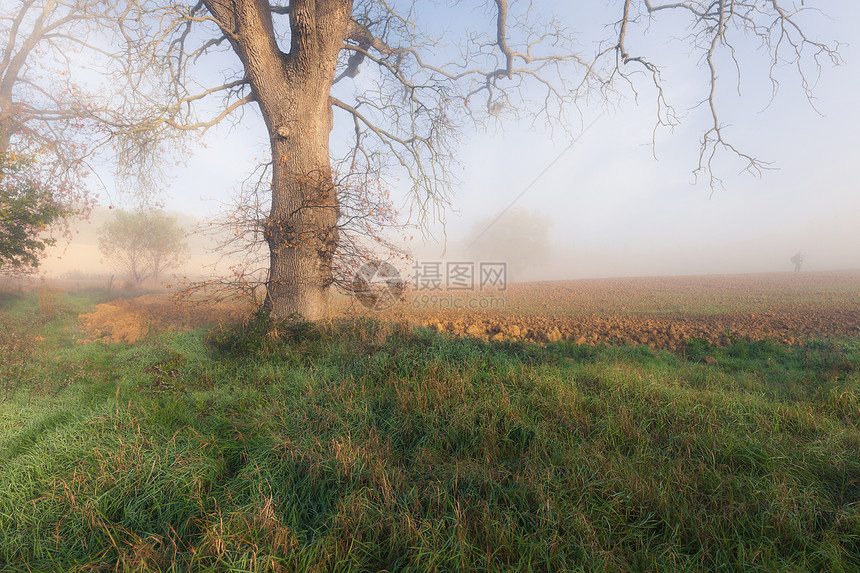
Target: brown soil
656, 311
659, 312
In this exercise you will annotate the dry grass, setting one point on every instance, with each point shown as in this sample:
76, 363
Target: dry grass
130, 320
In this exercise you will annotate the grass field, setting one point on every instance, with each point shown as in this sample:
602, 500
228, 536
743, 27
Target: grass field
369, 446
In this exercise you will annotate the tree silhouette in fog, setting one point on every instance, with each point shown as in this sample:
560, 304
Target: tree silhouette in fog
518, 237
797, 259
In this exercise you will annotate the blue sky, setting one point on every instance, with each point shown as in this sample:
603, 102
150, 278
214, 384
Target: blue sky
610, 207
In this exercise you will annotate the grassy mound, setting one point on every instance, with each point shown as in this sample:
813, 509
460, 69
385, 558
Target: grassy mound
363, 446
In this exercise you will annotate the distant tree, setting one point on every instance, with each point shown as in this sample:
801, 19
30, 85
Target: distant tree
797, 259
27, 210
518, 237
122, 242
143, 244
168, 248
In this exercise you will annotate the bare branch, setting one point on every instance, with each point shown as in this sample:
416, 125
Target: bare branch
407, 95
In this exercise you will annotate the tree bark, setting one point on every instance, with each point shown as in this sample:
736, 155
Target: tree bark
301, 228
292, 90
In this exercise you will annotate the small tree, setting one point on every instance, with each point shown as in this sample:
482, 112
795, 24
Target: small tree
517, 236
26, 211
797, 259
168, 248
143, 244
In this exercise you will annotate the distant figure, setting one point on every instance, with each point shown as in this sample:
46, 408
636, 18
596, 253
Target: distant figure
797, 259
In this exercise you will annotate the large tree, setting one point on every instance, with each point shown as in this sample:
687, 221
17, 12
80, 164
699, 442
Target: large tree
48, 109
299, 63
54, 58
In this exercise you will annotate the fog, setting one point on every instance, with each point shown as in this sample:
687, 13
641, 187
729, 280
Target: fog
79, 258
536, 246
613, 204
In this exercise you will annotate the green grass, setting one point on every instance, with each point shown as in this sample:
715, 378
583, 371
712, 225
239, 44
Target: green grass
368, 447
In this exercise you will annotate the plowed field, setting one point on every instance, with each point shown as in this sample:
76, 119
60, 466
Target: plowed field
656, 311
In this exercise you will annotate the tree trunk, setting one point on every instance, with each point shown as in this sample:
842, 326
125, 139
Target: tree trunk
292, 90
9, 123
6, 130
301, 228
